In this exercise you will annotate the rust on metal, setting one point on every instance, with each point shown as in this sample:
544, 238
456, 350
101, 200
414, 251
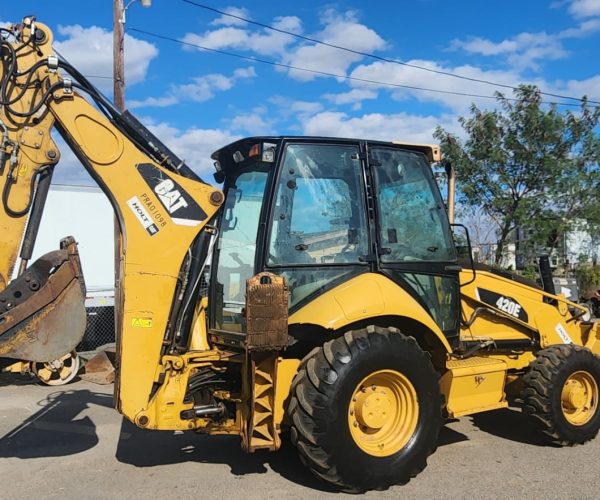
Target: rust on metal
266, 312
42, 312
99, 370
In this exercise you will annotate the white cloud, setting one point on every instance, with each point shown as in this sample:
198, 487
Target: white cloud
264, 42
354, 96
295, 109
522, 51
341, 30
232, 21
379, 126
201, 89
584, 29
86, 49
525, 50
405, 75
589, 87
256, 122
153, 102
585, 8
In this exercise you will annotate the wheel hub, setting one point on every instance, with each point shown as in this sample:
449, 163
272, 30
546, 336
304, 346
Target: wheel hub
383, 413
373, 408
579, 398
55, 365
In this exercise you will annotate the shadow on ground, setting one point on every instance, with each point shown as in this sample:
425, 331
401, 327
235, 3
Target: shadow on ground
450, 436
509, 424
54, 430
7, 379
145, 448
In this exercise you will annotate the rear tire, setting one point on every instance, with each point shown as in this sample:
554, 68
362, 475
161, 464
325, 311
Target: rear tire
561, 394
366, 409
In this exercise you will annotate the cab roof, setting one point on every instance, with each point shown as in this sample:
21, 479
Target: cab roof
431, 151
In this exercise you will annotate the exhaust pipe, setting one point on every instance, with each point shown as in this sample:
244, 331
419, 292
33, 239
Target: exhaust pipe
451, 190
546, 274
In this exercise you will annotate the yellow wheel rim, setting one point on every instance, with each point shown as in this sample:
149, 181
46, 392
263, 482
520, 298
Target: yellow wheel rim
59, 371
579, 398
383, 413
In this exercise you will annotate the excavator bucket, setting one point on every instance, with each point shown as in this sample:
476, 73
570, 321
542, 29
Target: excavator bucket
42, 312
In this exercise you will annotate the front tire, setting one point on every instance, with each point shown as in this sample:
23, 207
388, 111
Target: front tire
561, 394
366, 409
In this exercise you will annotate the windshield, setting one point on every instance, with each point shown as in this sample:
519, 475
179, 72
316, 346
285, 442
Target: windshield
237, 248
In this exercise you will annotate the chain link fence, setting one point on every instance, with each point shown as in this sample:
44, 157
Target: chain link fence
100, 328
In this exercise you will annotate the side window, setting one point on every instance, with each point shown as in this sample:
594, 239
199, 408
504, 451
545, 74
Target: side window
412, 221
319, 215
237, 247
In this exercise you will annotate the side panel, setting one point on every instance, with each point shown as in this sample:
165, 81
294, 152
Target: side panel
369, 295
521, 312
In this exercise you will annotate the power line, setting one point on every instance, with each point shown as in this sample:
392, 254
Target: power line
99, 76
374, 56
334, 75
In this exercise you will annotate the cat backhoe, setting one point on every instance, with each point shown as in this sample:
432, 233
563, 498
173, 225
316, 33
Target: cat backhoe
337, 311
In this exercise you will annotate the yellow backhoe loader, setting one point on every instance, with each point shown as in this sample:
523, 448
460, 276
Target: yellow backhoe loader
336, 307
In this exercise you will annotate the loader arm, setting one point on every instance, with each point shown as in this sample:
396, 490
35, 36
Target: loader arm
161, 207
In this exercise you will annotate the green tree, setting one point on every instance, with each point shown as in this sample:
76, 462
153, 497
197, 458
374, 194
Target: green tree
528, 164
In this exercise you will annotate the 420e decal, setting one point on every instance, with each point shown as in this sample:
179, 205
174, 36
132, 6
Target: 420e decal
505, 304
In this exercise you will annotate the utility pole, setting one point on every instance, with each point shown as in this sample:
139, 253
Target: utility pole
119, 11
118, 54
119, 100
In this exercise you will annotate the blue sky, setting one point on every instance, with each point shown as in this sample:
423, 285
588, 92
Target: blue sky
197, 101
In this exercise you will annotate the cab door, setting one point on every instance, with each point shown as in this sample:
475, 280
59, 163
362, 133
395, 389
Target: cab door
414, 242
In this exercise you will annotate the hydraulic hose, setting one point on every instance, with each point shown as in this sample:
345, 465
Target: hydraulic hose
7, 187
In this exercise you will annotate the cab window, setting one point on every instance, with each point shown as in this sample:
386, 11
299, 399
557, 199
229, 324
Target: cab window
412, 221
319, 217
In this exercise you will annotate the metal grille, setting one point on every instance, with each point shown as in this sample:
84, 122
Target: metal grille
204, 279
100, 328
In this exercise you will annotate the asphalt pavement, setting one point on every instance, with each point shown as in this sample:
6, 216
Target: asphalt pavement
69, 442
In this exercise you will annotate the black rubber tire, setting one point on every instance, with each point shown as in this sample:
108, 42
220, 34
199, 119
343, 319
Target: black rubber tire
321, 393
543, 385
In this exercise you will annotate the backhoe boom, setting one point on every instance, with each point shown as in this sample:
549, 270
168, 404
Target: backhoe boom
161, 206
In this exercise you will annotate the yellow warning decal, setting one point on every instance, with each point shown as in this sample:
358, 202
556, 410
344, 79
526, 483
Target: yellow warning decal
141, 322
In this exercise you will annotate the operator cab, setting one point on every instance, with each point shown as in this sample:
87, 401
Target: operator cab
320, 211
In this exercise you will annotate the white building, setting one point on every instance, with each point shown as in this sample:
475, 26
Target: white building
582, 244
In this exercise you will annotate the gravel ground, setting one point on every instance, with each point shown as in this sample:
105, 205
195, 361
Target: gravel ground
69, 442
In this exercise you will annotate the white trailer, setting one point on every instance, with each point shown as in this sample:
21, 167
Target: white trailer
85, 213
